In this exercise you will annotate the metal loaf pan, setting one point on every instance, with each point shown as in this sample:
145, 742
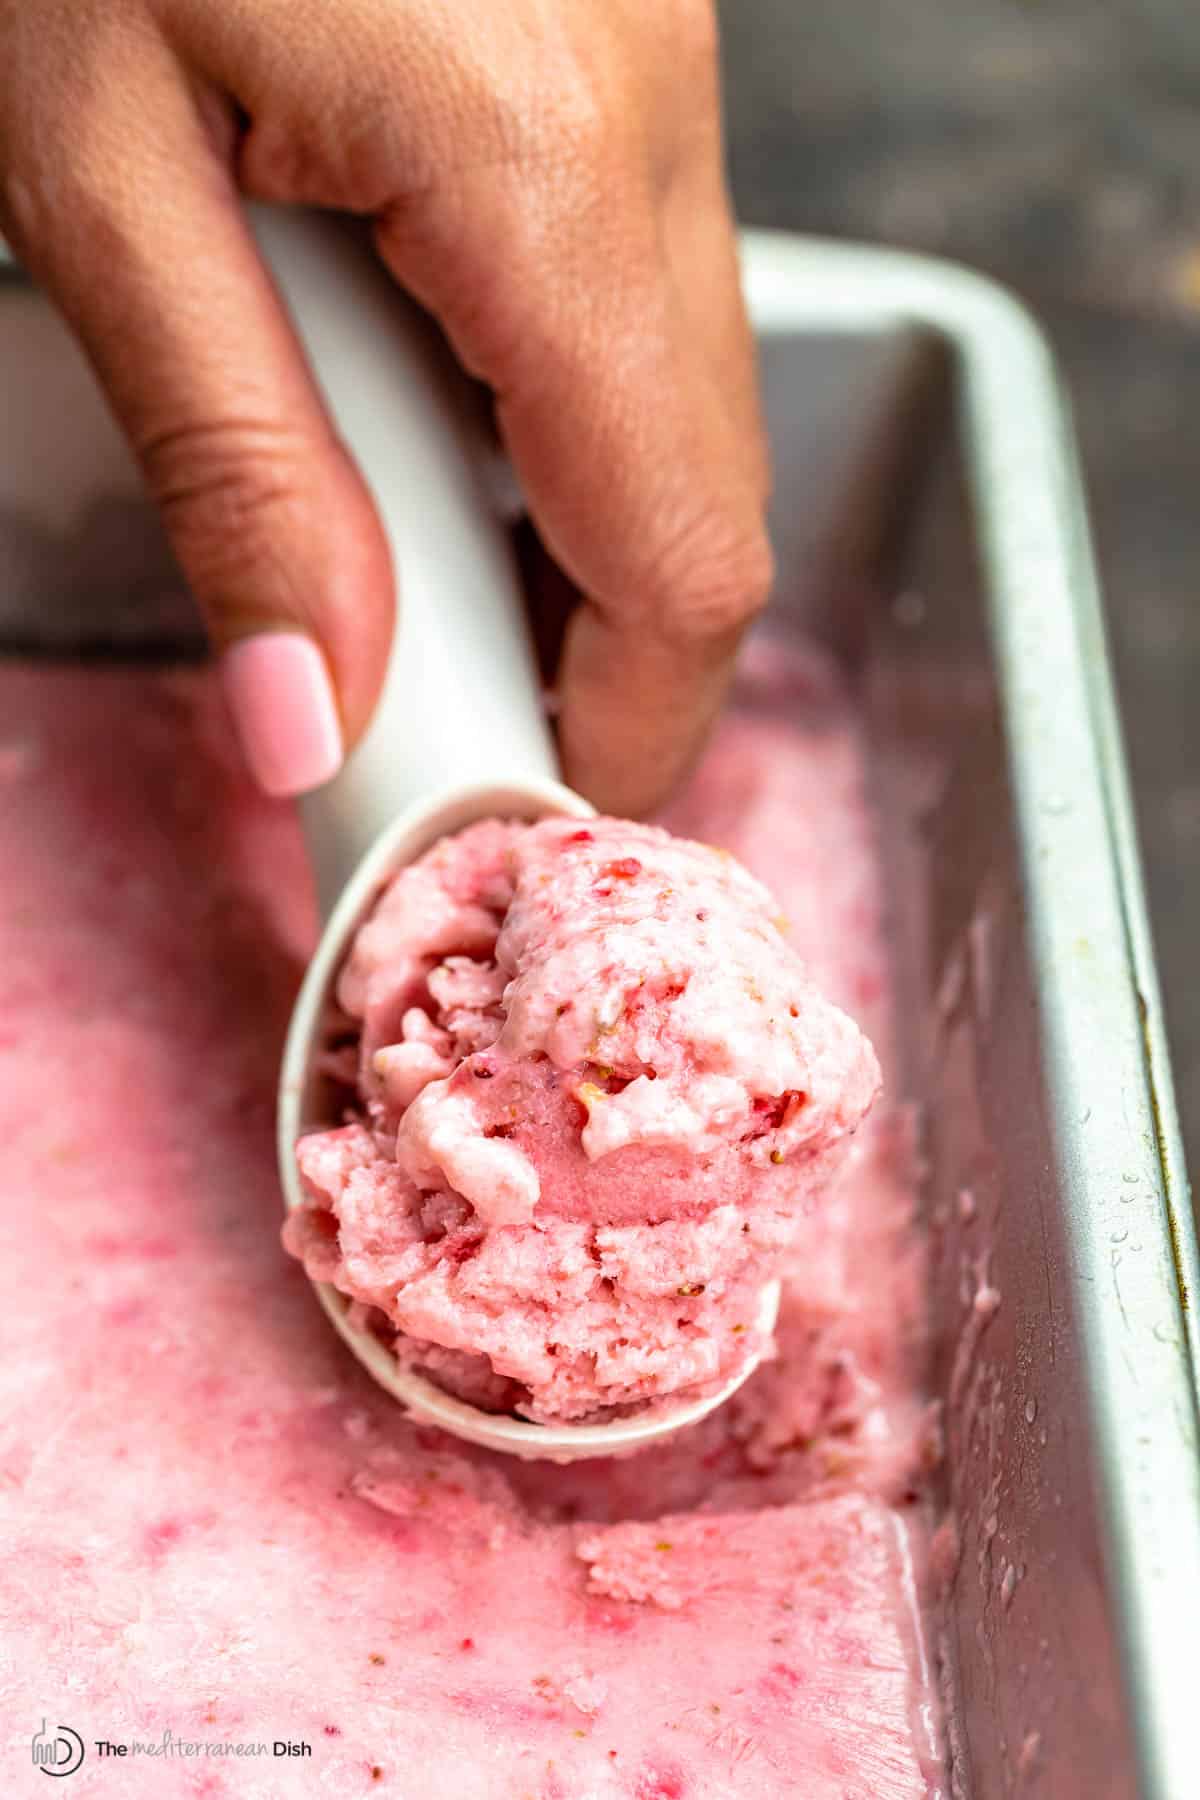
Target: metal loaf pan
929, 519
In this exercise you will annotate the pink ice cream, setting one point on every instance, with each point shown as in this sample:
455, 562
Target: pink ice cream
217, 1526
598, 1094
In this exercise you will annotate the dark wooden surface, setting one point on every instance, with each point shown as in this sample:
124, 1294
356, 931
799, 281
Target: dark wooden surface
1054, 144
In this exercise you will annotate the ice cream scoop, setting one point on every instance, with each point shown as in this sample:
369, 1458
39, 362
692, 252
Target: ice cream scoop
459, 733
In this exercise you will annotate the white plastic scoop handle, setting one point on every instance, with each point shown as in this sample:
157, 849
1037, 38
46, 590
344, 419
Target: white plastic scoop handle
459, 732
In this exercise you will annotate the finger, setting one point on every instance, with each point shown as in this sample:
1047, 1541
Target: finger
643, 481
133, 224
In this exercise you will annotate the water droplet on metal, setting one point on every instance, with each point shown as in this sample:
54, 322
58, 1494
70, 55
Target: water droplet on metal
1129, 1178
1030, 1411
1117, 1237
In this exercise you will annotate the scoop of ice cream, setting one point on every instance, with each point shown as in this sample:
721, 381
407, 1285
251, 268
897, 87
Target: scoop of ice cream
595, 1094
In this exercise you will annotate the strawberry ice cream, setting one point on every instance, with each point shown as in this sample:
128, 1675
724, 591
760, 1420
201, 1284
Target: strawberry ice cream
221, 1535
597, 1094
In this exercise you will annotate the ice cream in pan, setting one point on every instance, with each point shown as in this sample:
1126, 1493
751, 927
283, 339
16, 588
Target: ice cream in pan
220, 1529
588, 1092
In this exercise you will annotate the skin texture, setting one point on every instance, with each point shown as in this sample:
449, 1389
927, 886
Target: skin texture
546, 177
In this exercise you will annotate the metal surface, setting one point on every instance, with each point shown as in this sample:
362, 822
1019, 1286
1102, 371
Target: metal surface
929, 510
1065, 1255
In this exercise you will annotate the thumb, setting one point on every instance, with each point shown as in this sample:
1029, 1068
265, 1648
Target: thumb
148, 255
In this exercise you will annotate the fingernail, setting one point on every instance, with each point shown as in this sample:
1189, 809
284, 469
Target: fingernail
284, 711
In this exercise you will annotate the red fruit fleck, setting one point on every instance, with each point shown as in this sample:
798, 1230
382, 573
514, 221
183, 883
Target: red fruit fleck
781, 1680
623, 869
581, 837
467, 1644
460, 1248
770, 1111
609, 1619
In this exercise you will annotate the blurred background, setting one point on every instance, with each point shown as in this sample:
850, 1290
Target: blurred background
1054, 144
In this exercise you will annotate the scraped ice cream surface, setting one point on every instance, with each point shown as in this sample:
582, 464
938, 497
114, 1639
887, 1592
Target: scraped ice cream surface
597, 1094
216, 1525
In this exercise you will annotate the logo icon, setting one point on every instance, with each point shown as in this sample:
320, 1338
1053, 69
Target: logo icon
58, 1755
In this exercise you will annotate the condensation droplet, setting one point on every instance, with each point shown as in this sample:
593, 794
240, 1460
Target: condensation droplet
1129, 1178
1030, 1411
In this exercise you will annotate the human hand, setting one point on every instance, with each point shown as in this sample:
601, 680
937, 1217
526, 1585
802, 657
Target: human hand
545, 176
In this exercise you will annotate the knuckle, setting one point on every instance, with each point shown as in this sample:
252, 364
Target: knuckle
230, 492
723, 580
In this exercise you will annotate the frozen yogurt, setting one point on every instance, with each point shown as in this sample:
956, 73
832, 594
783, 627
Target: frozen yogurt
597, 1095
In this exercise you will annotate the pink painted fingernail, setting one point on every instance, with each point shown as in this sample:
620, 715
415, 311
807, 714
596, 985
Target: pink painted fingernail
284, 711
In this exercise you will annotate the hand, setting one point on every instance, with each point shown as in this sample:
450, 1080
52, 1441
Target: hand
545, 176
